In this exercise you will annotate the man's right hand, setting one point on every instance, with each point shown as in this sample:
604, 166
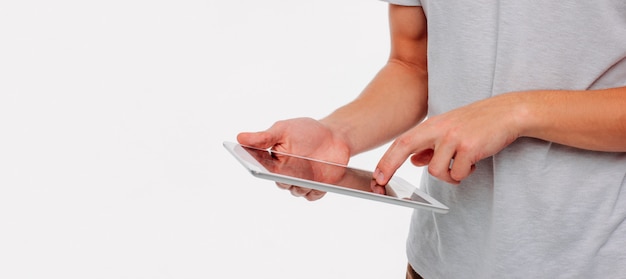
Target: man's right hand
304, 137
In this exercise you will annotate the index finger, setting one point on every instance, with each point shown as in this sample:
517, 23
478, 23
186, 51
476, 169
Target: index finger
393, 158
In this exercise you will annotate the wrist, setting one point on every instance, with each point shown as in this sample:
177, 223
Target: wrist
523, 114
340, 132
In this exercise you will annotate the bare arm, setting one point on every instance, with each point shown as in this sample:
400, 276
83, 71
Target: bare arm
396, 99
593, 120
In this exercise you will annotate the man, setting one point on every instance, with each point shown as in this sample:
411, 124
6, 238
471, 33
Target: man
524, 137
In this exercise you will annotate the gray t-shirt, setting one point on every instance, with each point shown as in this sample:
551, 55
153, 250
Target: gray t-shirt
537, 209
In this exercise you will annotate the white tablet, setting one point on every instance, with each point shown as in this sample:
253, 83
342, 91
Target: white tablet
329, 177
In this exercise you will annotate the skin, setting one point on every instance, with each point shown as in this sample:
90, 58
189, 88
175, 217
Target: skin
394, 105
301, 136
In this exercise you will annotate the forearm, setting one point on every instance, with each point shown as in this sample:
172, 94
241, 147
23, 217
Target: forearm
593, 120
394, 101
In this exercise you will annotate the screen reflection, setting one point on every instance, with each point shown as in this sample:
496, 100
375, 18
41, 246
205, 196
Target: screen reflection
328, 173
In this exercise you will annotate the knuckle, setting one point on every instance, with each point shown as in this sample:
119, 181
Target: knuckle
451, 137
434, 171
314, 195
464, 147
280, 123
457, 175
402, 142
299, 191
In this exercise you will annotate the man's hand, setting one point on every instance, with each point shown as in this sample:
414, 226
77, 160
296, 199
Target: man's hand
300, 136
453, 142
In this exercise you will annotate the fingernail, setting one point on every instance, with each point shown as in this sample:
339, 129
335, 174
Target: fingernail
380, 177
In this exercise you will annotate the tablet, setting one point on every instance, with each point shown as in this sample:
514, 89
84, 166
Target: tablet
329, 177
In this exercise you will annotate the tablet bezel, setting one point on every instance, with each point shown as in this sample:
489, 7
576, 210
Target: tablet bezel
396, 183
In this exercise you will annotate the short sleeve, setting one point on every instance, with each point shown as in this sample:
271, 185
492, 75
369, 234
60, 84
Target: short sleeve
404, 2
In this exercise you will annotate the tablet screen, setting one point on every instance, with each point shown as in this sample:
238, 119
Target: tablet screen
329, 173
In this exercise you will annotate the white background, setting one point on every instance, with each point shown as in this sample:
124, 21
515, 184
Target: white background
112, 115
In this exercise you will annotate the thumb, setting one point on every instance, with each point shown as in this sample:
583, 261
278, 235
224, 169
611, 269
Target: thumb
262, 139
